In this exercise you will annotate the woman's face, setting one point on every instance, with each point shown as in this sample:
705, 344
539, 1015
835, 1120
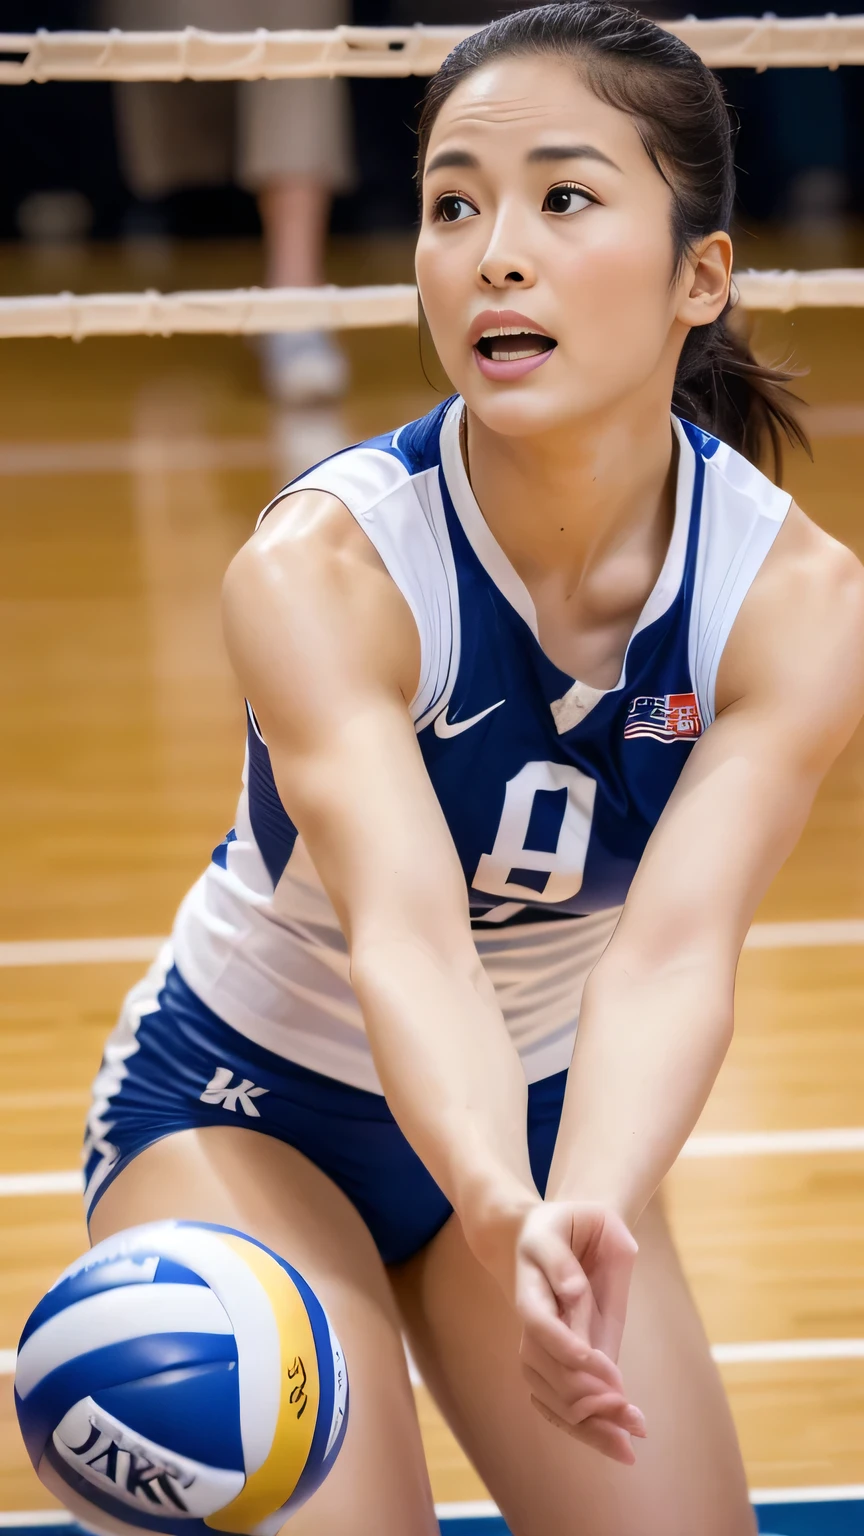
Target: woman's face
542, 213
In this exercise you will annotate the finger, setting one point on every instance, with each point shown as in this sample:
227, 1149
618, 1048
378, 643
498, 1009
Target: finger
571, 1386
609, 1406
550, 1346
564, 1379
585, 1357
578, 1396
555, 1339
608, 1439
538, 1307
575, 1408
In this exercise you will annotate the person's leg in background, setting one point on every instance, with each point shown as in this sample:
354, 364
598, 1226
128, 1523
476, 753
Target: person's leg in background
294, 151
170, 135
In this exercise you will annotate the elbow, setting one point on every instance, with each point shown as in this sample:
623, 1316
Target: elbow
705, 959
693, 984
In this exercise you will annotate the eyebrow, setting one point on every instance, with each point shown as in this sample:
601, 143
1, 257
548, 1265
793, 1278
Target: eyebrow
570, 152
462, 159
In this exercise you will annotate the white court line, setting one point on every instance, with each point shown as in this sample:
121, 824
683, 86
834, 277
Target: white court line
135, 456
469, 1509
757, 1352
131, 455
35, 1517
827, 1495
805, 935
775, 1143
774, 1351
78, 951
847, 931
68, 1181
484, 1509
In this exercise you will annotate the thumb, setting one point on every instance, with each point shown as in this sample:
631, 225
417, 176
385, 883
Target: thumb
616, 1255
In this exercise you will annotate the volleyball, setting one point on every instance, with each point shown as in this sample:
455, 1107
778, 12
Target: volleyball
181, 1376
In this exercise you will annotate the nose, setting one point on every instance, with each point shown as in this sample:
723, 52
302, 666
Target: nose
509, 277
505, 259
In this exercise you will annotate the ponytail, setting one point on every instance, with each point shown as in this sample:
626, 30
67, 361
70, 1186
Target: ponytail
720, 387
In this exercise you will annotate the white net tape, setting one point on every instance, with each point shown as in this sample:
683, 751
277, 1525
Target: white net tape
250, 310
194, 54
234, 311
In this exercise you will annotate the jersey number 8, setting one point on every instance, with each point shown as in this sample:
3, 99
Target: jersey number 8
542, 839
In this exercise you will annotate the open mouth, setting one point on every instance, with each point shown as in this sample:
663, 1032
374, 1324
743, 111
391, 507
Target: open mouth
510, 344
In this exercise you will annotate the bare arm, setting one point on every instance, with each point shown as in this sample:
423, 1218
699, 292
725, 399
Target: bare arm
656, 1017
327, 652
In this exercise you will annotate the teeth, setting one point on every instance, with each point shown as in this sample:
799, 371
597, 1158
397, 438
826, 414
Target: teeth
507, 330
512, 357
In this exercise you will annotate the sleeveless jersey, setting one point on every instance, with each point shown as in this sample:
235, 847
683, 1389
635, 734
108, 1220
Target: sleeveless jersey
550, 788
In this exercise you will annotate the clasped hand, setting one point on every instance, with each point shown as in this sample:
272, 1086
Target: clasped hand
573, 1265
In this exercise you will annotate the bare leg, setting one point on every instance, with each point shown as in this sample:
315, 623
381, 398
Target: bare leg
304, 367
688, 1478
242, 1179
294, 215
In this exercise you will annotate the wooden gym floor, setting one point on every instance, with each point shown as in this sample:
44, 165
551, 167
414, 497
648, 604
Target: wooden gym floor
130, 471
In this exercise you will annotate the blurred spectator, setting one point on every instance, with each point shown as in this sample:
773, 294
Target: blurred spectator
287, 141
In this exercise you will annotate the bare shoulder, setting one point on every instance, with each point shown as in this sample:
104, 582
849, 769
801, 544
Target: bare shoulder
310, 587
800, 632
807, 560
308, 534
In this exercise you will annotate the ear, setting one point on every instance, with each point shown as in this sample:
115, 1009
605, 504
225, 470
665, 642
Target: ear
705, 279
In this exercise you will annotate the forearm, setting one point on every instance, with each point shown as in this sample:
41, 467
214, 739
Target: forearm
647, 1052
451, 1076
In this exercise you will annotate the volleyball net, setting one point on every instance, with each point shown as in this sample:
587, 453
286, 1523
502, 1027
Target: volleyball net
769, 42
387, 53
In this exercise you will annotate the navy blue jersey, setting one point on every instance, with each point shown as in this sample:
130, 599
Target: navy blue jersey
550, 787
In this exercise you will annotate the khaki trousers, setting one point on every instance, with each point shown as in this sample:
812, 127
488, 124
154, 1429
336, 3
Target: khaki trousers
251, 131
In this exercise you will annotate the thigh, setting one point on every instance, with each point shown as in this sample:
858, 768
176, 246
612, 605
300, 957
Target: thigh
243, 1179
688, 1476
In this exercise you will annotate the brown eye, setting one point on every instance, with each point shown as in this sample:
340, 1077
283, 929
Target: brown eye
452, 209
565, 199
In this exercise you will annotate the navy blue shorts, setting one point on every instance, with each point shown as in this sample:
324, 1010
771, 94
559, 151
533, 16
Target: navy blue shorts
183, 1068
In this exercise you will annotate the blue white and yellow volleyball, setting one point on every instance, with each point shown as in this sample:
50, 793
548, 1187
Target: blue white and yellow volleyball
181, 1378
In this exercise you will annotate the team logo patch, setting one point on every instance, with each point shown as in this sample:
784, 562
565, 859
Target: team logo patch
671, 717
219, 1091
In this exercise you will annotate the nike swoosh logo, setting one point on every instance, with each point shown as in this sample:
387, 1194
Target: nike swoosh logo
455, 728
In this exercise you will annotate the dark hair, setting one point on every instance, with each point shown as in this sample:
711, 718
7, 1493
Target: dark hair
687, 129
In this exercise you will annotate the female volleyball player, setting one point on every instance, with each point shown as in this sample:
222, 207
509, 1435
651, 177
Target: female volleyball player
540, 690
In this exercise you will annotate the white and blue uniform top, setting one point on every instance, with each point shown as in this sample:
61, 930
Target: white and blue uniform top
550, 787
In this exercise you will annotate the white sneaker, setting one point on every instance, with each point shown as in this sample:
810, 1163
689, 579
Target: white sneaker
303, 367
